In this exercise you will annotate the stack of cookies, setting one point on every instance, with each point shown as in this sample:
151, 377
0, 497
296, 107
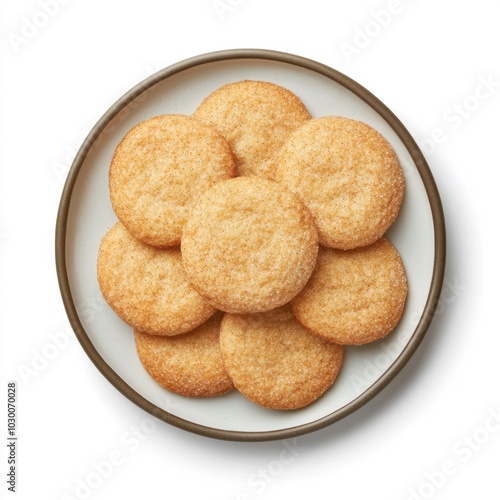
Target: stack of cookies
249, 248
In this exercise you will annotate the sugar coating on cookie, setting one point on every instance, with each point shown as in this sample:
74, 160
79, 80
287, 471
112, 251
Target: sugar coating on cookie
147, 287
158, 168
354, 296
189, 364
249, 245
348, 175
275, 362
255, 117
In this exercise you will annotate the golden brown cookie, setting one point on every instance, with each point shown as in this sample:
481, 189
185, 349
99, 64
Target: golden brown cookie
189, 364
158, 168
354, 296
249, 245
147, 287
275, 362
255, 117
349, 177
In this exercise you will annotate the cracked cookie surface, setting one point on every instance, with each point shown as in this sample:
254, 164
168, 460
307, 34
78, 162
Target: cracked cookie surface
147, 287
249, 245
275, 362
255, 117
189, 364
157, 170
349, 177
354, 296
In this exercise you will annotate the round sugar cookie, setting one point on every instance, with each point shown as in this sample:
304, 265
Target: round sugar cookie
189, 364
354, 296
249, 245
158, 168
147, 287
255, 117
349, 177
275, 362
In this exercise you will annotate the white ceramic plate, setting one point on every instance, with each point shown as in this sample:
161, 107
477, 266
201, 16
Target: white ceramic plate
85, 215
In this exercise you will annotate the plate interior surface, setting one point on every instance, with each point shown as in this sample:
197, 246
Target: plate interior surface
88, 216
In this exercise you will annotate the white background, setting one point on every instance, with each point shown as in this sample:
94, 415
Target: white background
434, 432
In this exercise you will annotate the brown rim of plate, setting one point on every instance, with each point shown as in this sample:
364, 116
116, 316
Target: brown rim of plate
439, 245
